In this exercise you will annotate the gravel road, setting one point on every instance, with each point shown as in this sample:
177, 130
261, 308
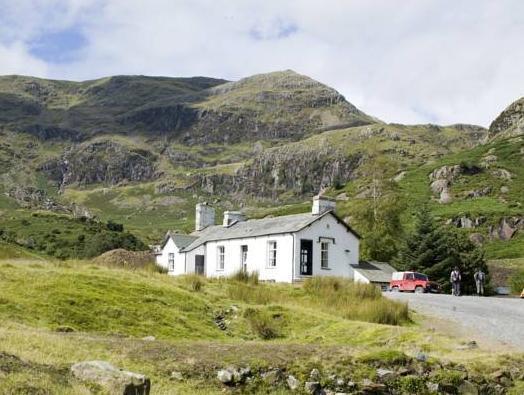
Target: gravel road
500, 319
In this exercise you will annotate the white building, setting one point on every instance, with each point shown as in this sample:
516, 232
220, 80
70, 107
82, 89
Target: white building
281, 249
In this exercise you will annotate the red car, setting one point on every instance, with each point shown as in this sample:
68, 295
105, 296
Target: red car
412, 282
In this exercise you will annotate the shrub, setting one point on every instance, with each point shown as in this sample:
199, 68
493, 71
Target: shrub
516, 282
385, 358
245, 277
263, 324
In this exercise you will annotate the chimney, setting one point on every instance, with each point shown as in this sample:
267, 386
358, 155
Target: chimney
205, 216
232, 216
321, 204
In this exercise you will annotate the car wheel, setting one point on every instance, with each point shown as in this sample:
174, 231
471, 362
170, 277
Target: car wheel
419, 290
395, 289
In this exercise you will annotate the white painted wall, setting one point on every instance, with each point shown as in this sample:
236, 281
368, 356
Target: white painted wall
163, 258
257, 257
359, 278
189, 259
339, 260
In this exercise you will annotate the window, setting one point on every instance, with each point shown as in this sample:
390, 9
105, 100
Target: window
171, 261
324, 255
272, 254
243, 257
221, 256
422, 277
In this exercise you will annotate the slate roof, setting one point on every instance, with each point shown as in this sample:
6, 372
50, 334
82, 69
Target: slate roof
259, 227
180, 240
375, 272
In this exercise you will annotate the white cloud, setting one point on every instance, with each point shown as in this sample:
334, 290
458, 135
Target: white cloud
439, 61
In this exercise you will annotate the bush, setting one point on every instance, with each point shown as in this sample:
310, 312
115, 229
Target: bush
263, 324
516, 282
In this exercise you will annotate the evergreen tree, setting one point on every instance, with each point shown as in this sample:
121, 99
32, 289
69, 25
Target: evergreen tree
435, 251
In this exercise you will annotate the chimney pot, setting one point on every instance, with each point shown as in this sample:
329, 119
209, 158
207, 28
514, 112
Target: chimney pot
321, 204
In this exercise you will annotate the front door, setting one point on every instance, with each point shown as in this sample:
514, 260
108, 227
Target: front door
199, 264
306, 257
243, 258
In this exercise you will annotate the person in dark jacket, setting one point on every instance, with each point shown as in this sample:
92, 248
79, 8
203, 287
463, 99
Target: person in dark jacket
480, 278
455, 279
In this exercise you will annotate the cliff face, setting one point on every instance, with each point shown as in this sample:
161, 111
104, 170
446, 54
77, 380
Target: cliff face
510, 122
104, 162
295, 171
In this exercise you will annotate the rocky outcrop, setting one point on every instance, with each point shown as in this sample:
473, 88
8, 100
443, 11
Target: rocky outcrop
441, 180
47, 132
510, 122
477, 193
112, 379
466, 222
298, 169
34, 198
506, 228
104, 162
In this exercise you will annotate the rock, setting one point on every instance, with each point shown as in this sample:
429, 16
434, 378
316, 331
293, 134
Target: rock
446, 173
175, 375
314, 375
506, 228
313, 387
114, 380
421, 357
400, 176
501, 173
488, 161
478, 193
272, 377
370, 387
432, 387
477, 239
467, 388
340, 383
504, 189
292, 382
385, 374
438, 186
225, 376
149, 338
445, 197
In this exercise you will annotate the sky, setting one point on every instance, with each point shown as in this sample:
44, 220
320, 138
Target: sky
404, 61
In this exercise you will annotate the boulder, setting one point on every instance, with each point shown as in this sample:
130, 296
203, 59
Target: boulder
478, 193
467, 388
501, 173
272, 377
292, 382
312, 387
477, 239
112, 379
385, 374
314, 375
446, 173
438, 186
226, 376
504, 189
445, 197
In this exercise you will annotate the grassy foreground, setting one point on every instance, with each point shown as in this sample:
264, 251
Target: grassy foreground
53, 314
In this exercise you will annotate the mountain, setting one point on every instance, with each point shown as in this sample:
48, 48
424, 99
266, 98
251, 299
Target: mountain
510, 122
142, 150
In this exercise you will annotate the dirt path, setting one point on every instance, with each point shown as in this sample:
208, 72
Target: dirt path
500, 319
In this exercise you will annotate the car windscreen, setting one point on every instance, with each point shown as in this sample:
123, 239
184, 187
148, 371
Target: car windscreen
422, 277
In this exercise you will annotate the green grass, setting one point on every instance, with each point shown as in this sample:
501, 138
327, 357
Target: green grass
111, 309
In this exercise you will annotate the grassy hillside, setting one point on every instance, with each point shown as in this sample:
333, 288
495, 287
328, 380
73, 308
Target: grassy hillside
77, 311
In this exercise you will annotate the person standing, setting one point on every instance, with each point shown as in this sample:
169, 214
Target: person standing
480, 278
455, 279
